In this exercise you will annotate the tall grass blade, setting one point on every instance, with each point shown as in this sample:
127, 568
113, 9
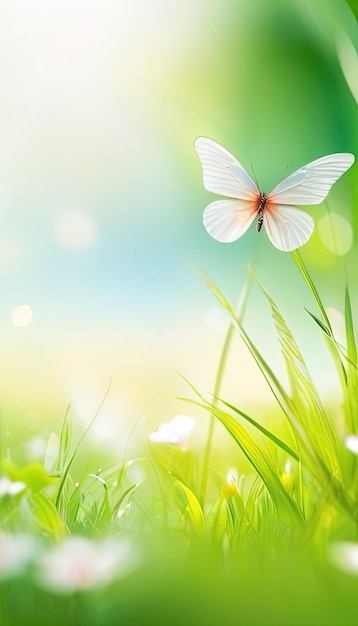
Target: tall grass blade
221, 368
258, 460
278, 442
351, 396
72, 458
308, 407
325, 324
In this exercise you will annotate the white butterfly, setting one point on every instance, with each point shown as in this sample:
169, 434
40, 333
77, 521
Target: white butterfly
287, 227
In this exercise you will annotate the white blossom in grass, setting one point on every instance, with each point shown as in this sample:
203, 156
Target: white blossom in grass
230, 486
287, 475
79, 563
16, 551
9, 487
351, 442
176, 432
344, 556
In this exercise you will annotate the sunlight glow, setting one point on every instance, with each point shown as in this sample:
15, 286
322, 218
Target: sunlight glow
338, 324
22, 315
5, 197
12, 251
75, 229
348, 59
217, 320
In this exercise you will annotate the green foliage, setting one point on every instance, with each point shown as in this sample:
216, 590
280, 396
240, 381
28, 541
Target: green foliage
299, 493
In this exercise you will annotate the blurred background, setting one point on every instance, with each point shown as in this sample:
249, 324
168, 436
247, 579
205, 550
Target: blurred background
101, 197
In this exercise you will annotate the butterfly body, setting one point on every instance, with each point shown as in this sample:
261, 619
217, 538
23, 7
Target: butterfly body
287, 227
260, 211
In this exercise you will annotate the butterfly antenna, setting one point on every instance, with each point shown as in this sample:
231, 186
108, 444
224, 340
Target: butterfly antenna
283, 172
255, 177
282, 176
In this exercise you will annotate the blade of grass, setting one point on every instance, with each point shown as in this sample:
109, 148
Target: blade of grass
263, 430
194, 509
351, 343
351, 396
327, 328
72, 458
258, 460
221, 369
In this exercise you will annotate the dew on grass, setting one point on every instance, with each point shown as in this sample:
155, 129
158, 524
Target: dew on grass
22, 315
124, 510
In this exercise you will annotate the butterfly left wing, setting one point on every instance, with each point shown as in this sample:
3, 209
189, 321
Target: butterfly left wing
222, 173
287, 228
227, 220
311, 183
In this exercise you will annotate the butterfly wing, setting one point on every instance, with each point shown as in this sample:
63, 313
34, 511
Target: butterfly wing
311, 183
287, 228
227, 220
222, 173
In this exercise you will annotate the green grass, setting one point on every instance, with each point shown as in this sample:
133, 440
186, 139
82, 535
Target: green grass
180, 544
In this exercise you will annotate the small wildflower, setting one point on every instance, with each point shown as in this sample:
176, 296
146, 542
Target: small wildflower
10, 488
351, 442
230, 487
176, 432
79, 563
15, 553
344, 556
287, 476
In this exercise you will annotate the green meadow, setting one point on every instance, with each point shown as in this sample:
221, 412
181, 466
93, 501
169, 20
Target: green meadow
179, 416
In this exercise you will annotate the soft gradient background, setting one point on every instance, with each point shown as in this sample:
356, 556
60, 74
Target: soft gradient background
101, 194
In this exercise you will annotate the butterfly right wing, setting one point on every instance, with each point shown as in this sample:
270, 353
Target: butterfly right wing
311, 183
287, 228
227, 220
222, 173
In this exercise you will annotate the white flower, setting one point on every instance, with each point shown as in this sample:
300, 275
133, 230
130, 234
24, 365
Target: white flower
15, 552
344, 555
231, 485
175, 432
79, 563
351, 442
10, 488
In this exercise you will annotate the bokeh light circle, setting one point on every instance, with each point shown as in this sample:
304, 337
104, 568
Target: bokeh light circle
335, 233
22, 315
75, 229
